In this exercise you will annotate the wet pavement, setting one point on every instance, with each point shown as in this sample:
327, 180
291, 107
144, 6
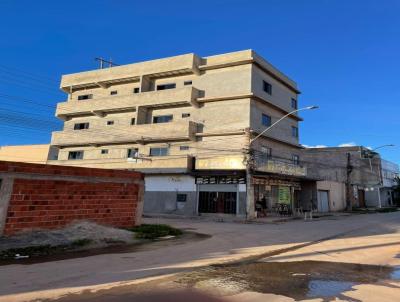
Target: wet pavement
298, 280
186, 237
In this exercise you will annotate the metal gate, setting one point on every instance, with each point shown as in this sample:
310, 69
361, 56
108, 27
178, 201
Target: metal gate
217, 202
323, 201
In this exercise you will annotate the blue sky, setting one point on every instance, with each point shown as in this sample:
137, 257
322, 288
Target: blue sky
344, 55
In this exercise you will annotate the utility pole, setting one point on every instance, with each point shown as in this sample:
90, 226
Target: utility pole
349, 169
250, 207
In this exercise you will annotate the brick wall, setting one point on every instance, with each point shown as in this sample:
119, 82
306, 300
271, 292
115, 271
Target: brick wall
48, 196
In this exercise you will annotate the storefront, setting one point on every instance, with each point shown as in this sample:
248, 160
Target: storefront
221, 194
278, 194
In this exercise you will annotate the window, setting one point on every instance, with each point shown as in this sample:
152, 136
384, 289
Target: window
104, 151
133, 121
159, 151
136, 90
183, 148
133, 153
162, 119
109, 123
81, 126
85, 97
187, 83
294, 103
267, 87
114, 92
72, 155
185, 115
295, 131
296, 159
266, 151
166, 86
181, 197
266, 120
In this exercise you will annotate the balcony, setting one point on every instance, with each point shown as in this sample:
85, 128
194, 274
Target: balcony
182, 130
280, 167
150, 99
183, 64
162, 164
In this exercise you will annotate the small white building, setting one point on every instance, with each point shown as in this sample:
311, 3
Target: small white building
383, 195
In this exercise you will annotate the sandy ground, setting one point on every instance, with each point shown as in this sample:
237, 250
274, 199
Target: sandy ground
98, 234
371, 237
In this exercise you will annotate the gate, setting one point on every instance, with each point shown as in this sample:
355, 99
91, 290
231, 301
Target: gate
217, 202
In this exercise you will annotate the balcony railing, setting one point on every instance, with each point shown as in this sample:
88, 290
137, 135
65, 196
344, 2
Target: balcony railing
149, 164
182, 130
150, 99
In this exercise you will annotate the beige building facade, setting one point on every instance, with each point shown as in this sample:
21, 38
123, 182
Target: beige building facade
186, 121
28, 153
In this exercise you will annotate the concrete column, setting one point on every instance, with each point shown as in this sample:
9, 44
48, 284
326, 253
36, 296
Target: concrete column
6, 187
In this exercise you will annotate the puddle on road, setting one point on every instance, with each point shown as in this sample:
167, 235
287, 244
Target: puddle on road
298, 280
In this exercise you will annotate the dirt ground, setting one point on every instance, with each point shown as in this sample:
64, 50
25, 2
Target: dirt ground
250, 252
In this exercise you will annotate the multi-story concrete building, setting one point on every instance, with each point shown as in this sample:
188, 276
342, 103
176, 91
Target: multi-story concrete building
186, 121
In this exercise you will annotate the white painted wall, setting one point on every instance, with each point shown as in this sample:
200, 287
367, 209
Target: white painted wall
170, 183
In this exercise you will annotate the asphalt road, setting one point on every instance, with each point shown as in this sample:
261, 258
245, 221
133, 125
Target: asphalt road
368, 239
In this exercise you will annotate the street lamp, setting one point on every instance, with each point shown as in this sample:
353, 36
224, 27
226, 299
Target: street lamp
387, 145
283, 117
250, 192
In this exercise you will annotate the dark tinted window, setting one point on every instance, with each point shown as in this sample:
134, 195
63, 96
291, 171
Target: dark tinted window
181, 197
136, 90
114, 92
80, 126
162, 119
266, 120
133, 121
110, 123
294, 103
182, 148
185, 115
295, 131
133, 153
104, 151
75, 155
85, 97
158, 151
166, 86
187, 83
267, 87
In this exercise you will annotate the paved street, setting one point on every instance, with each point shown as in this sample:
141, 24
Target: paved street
366, 239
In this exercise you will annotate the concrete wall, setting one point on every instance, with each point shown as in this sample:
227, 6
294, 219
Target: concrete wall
336, 195
44, 196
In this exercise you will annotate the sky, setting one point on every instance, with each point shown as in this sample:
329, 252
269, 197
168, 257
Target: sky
344, 56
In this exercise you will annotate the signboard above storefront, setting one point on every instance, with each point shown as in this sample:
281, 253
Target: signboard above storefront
235, 162
220, 180
271, 166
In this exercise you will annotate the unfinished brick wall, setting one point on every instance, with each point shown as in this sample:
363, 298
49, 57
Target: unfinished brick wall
47, 196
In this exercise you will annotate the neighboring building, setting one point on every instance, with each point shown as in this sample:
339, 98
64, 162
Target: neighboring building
28, 153
186, 122
383, 194
340, 174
